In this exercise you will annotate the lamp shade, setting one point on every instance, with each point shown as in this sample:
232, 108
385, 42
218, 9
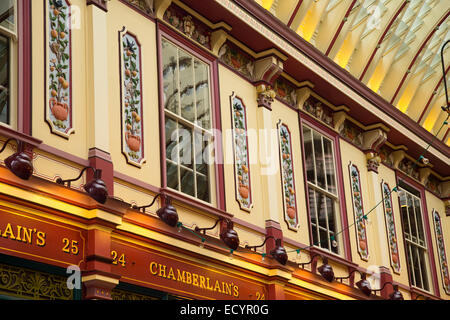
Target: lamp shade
364, 286
326, 271
168, 213
396, 295
20, 164
96, 188
230, 237
279, 253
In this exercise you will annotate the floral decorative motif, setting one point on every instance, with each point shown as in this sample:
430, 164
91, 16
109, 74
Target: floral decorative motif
358, 209
241, 158
390, 227
441, 251
287, 176
386, 155
285, 91
317, 109
232, 56
188, 25
433, 184
408, 167
131, 82
352, 133
59, 90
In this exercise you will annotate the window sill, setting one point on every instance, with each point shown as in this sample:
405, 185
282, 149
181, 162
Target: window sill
197, 204
416, 292
333, 257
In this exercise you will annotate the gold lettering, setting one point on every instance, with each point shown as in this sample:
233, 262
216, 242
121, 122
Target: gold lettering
155, 265
195, 279
40, 239
8, 232
27, 235
209, 287
202, 282
188, 277
171, 274
236, 291
217, 286
227, 289
18, 233
162, 270
180, 276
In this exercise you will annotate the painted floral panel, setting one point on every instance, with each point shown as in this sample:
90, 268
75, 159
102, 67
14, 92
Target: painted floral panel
358, 209
131, 78
285, 91
390, 227
241, 158
441, 251
59, 67
287, 175
233, 57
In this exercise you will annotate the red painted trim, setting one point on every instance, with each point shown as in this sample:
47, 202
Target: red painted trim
426, 227
431, 96
211, 61
314, 124
24, 92
382, 38
294, 13
417, 55
340, 27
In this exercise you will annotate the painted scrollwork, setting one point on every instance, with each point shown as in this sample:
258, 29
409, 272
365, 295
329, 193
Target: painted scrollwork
441, 251
390, 227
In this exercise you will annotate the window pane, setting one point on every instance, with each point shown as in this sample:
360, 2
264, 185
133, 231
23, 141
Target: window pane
320, 198
202, 187
329, 165
186, 146
202, 94
170, 77
404, 211
419, 219
416, 268
412, 219
187, 181
172, 175
309, 155
423, 269
4, 80
186, 65
331, 214
312, 206
324, 239
320, 164
7, 14
171, 140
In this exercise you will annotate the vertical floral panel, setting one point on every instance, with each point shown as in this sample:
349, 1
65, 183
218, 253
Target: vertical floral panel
59, 69
241, 158
390, 227
287, 176
441, 251
358, 209
131, 89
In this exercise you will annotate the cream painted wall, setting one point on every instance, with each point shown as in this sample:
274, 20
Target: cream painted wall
119, 15
230, 83
76, 144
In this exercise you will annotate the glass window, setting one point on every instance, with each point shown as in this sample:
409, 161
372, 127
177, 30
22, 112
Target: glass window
4, 80
416, 247
7, 14
187, 109
322, 190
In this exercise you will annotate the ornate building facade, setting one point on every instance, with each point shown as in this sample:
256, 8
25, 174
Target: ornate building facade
224, 149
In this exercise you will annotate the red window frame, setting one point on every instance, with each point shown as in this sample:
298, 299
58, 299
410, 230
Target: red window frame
211, 61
